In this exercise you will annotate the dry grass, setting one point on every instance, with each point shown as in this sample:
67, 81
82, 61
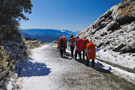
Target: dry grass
126, 10
4, 57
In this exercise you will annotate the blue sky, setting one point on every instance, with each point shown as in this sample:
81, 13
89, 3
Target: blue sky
75, 15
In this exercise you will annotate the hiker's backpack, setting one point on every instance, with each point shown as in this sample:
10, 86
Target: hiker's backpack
86, 41
65, 42
61, 42
79, 45
91, 51
72, 41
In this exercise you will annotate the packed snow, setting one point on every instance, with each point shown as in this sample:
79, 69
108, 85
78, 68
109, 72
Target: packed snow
36, 75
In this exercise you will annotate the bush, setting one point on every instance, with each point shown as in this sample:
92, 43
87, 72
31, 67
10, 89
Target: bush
4, 58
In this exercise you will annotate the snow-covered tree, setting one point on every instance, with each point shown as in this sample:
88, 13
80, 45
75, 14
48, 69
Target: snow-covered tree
13, 10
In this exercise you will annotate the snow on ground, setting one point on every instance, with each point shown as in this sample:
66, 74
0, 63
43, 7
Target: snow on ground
11, 82
124, 60
39, 73
119, 72
115, 58
36, 75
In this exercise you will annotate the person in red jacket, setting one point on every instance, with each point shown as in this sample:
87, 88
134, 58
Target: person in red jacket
79, 47
91, 53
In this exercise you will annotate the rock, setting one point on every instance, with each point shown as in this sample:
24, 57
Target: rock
125, 1
124, 13
104, 33
112, 26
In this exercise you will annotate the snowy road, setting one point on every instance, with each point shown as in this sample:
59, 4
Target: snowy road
46, 70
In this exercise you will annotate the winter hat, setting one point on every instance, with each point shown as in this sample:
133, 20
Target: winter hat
71, 36
77, 37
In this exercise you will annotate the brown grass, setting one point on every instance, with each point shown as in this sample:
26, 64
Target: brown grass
126, 10
4, 57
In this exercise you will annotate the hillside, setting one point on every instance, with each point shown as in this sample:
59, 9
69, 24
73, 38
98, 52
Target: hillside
12, 51
114, 34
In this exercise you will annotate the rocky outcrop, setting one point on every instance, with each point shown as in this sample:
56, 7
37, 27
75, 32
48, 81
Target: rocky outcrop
125, 1
114, 30
32, 43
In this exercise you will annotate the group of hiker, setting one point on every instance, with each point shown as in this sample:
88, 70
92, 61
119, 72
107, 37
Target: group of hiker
79, 45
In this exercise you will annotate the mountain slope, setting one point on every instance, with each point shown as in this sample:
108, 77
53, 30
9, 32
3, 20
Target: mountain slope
114, 34
115, 30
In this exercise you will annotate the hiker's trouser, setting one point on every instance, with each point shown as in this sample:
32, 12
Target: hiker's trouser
72, 50
76, 52
84, 54
61, 51
93, 62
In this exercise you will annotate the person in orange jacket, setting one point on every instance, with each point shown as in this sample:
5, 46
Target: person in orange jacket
61, 45
65, 42
86, 41
72, 40
91, 53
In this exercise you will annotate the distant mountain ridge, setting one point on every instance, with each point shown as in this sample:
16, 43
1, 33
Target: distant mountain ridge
47, 35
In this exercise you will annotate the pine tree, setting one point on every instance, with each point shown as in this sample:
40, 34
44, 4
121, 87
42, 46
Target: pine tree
11, 11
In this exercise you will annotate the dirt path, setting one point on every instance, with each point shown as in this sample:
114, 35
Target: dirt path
69, 74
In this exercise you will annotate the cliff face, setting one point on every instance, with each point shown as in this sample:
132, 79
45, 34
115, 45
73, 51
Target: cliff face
115, 29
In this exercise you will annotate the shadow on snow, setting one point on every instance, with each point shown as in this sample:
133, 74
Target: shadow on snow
67, 58
98, 67
34, 69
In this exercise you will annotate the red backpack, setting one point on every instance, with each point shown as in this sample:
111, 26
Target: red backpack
79, 45
72, 41
61, 42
